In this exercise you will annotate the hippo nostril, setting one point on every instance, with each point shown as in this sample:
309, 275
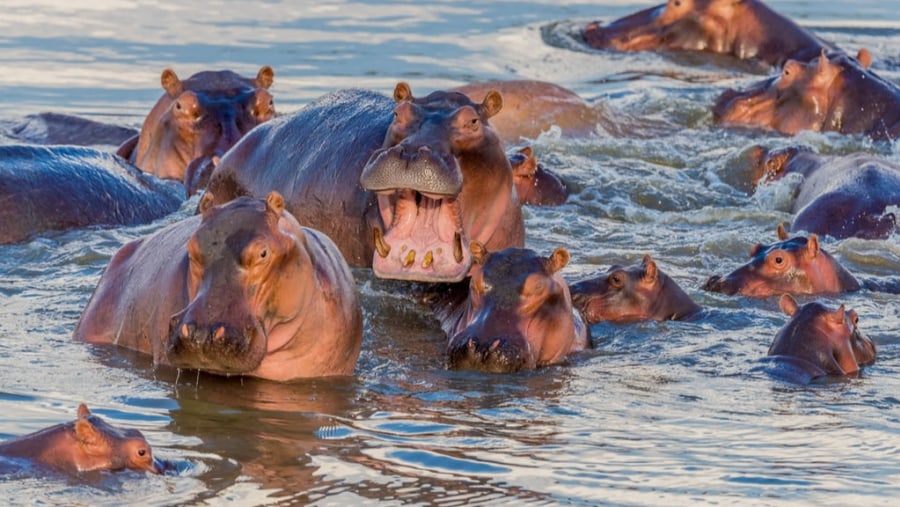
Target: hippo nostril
187, 330
713, 283
494, 345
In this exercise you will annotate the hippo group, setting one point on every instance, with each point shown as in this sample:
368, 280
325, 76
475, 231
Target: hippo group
422, 189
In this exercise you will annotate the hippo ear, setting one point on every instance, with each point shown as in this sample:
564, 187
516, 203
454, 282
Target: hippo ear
206, 202
275, 203
527, 151
87, 434
480, 254
170, 83
402, 92
492, 103
83, 411
838, 316
755, 249
651, 272
864, 56
788, 305
265, 76
782, 234
812, 246
558, 259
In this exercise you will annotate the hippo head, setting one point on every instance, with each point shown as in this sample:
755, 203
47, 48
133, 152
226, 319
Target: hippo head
799, 98
792, 265
519, 313
104, 447
678, 24
197, 120
534, 184
828, 340
772, 165
442, 181
239, 258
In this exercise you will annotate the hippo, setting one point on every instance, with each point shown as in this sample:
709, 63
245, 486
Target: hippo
833, 94
53, 188
59, 128
196, 121
535, 184
630, 294
839, 196
86, 444
792, 265
820, 341
240, 289
531, 107
746, 29
402, 186
515, 313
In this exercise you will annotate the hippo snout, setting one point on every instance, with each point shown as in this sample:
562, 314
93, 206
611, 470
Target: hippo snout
419, 168
717, 284
494, 355
219, 346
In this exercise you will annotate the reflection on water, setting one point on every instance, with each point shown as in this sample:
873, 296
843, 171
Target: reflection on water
659, 413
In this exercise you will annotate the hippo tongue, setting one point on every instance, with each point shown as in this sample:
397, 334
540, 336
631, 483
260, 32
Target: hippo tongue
425, 241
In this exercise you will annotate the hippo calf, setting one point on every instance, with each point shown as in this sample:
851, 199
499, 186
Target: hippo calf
535, 184
86, 444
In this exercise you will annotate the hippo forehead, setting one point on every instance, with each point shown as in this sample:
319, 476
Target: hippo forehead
513, 266
232, 226
444, 100
221, 83
788, 245
112, 432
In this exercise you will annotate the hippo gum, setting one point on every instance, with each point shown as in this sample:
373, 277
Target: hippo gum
792, 265
83, 445
825, 342
629, 294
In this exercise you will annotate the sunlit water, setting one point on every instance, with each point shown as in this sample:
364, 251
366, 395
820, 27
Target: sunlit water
666, 413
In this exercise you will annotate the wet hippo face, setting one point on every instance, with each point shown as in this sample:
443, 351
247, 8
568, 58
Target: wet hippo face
443, 181
534, 184
109, 448
198, 120
520, 313
238, 259
827, 340
772, 165
792, 265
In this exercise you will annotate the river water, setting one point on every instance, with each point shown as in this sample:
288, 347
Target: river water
672, 413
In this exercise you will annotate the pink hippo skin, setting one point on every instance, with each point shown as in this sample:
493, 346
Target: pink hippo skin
402, 186
241, 289
839, 196
517, 313
824, 342
629, 294
746, 29
86, 444
792, 265
835, 94
196, 121
535, 184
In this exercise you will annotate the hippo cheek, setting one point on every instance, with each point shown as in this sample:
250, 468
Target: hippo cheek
229, 344
863, 348
468, 350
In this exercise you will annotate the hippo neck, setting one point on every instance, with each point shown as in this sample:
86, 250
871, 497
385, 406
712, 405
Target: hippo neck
845, 281
862, 102
672, 303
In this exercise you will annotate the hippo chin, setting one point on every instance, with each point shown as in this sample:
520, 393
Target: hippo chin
239, 289
746, 29
197, 119
792, 265
517, 313
89, 443
824, 342
433, 177
634, 293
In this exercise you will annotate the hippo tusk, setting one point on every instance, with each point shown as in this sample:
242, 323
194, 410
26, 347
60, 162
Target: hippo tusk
457, 248
410, 258
380, 245
429, 258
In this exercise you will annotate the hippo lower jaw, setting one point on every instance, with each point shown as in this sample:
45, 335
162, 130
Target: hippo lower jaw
425, 240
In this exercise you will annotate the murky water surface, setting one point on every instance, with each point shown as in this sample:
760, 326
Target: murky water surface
666, 413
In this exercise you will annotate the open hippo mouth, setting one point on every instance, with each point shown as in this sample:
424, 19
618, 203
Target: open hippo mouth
418, 199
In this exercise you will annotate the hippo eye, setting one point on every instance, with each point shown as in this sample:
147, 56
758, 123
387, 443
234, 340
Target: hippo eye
142, 452
616, 280
263, 254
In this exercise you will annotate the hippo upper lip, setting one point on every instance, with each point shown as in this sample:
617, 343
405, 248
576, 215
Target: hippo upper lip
421, 170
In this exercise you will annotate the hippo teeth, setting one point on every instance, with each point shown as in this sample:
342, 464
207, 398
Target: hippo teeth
457, 247
381, 245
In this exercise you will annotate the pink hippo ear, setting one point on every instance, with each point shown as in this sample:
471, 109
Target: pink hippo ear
83, 411
651, 272
275, 203
558, 259
864, 56
170, 83
265, 76
480, 254
492, 104
87, 435
527, 151
755, 249
812, 246
838, 316
788, 305
206, 202
782, 234
402, 92
825, 70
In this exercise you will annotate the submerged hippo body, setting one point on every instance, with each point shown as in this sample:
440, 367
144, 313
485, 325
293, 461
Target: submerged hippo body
746, 29
57, 128
792, 265
836, 94
532, 107
839, 196
821, 341
628, 294
62, 187
239, 289
535, 184
196, 121
516, 314
405, 195
83, 445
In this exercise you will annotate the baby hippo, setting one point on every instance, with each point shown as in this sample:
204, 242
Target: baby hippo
821, 341
792, 265
86, 444
518, 314
628, 294
535, 184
